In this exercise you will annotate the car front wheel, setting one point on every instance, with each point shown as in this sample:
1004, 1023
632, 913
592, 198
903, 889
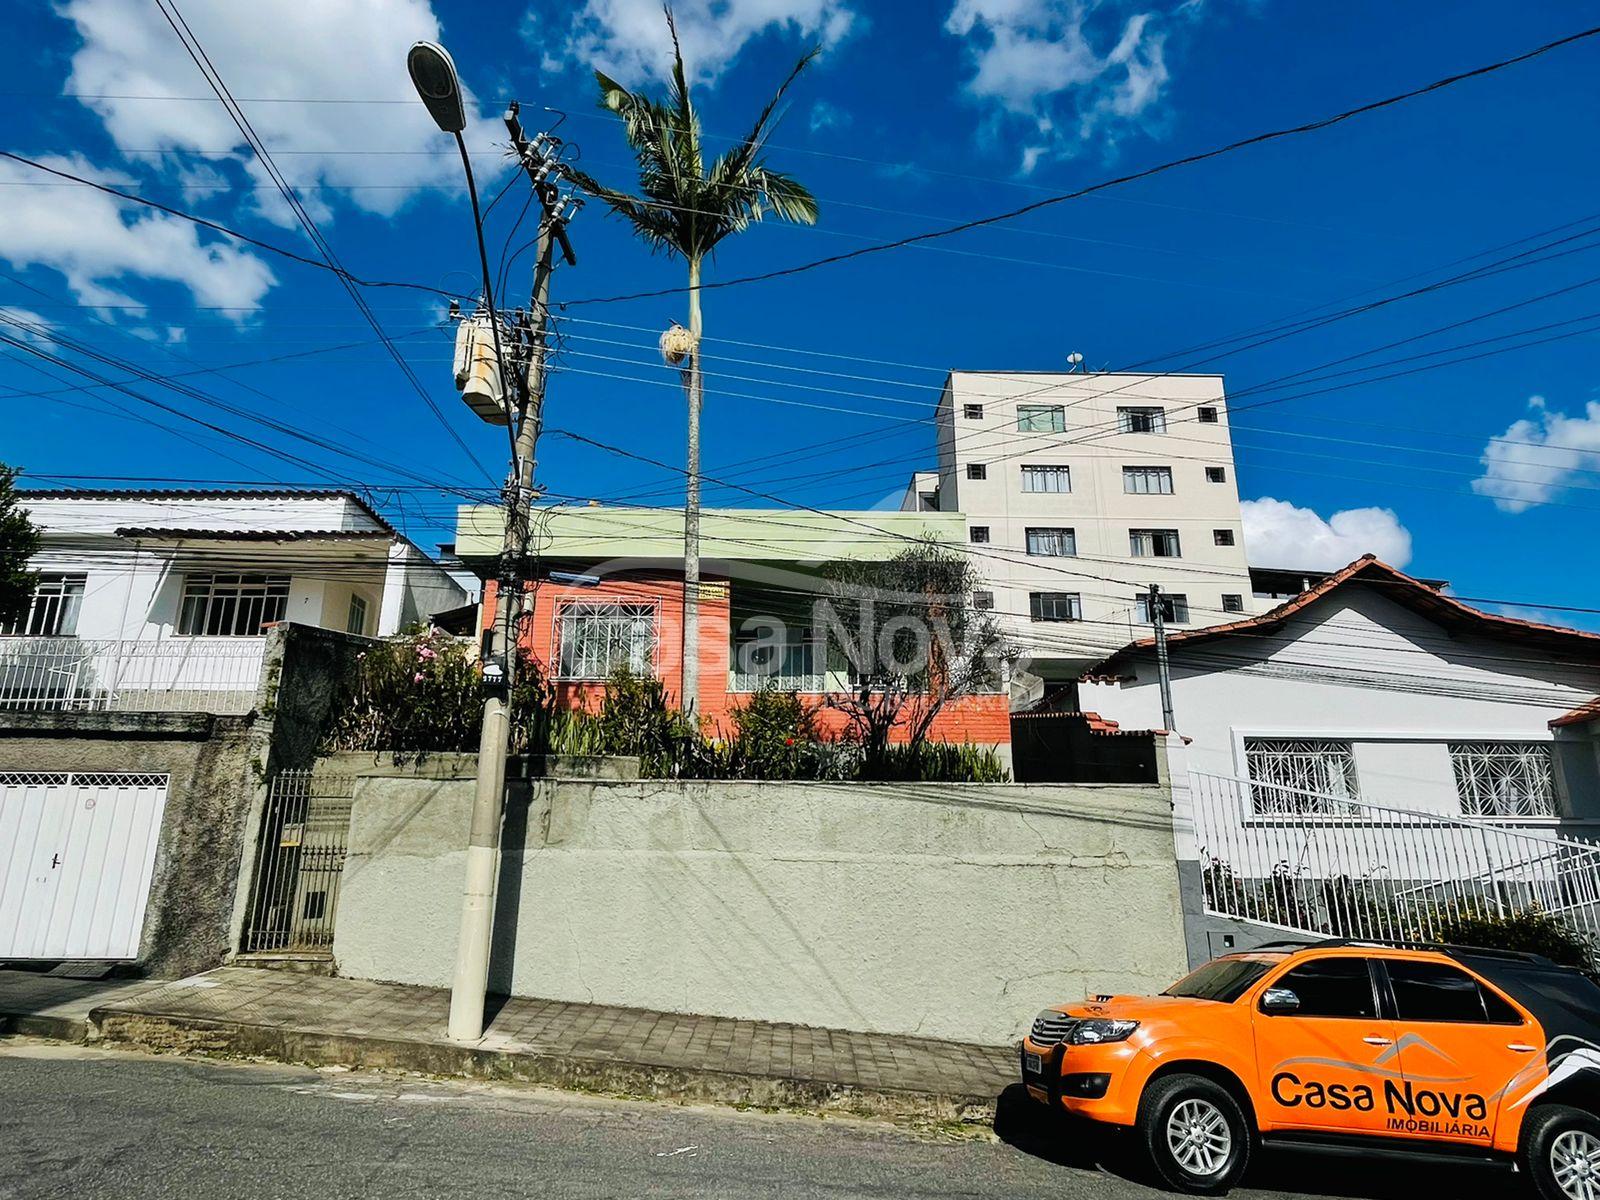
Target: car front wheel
1561, 1152
1194, 1134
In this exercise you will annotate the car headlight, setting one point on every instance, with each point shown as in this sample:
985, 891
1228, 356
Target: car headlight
1095, 1030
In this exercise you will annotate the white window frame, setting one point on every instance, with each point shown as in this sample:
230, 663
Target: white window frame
1074, 602
1040, 472
1137, 481
356, 622
1027, 415
1174, 608
53, 608
630, 620
1297, 777
257, 599
1065, 539
1488, 774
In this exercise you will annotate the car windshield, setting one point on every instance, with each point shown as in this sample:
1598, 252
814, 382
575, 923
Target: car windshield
1223, 979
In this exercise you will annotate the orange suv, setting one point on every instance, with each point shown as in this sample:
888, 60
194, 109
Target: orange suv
1421, 1050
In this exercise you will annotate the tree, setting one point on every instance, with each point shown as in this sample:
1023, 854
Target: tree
686, 210
19, 542
911, 638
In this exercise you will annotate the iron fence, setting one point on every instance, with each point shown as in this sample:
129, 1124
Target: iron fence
215, 675
1332, 865
299, 863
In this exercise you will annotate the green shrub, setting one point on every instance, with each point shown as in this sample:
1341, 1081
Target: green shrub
410, 694
1529, 929
774, 735
938, 762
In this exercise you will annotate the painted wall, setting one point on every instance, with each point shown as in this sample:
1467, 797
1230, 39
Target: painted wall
953, 911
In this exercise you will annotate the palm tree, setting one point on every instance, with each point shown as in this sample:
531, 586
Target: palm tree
684, 209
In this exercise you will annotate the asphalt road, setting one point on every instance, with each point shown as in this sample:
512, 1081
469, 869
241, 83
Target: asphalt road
78, 1122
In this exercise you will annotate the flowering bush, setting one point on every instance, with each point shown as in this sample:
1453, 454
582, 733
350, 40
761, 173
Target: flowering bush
408, 694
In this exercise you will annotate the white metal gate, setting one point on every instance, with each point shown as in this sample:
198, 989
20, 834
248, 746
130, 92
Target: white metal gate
77, 852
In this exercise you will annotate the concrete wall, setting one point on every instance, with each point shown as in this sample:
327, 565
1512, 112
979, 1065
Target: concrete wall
951, 911
187, 919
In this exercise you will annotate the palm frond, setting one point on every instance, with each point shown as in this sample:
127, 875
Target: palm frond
785, 195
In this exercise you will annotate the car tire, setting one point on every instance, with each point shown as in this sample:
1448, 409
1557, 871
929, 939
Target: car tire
1560, 1151
1194, 1134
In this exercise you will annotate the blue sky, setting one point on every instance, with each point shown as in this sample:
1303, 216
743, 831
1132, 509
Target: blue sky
1485, 472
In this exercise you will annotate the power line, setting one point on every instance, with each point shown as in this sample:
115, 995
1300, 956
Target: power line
1118, 181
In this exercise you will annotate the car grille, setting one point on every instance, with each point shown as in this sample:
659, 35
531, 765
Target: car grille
1049, 1031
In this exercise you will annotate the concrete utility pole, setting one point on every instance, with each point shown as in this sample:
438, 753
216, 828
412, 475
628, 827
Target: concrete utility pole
1163, 667
434, 74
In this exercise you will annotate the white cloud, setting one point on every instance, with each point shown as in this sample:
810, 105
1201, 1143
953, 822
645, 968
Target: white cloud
825, 116
1280, 534
1065, 72
1539, 454
99, 243
628, 39
280, 49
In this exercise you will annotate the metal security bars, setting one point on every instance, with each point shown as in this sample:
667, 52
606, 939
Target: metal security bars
300, 859
1504, 779
1329, 864
215, 675
597, 638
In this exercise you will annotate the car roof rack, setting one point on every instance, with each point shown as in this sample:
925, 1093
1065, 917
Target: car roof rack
1451, 948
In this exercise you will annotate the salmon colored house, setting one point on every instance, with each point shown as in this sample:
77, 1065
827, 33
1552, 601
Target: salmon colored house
608, 590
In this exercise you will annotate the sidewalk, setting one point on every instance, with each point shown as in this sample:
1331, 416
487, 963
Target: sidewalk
39, 1005
351, 1022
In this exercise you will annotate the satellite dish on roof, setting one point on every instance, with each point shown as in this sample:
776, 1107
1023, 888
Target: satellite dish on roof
1074, 361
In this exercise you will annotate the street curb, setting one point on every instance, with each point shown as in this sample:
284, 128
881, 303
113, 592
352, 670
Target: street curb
175, 1033
38, 1025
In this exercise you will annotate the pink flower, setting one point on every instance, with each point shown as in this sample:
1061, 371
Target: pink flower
427, 654
417, 678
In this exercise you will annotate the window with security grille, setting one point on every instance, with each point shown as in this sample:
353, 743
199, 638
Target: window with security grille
232, 605
1174, 607
1055, 606
1232, 602
1147, 481
1300, 776
596, 639
1206, 415
983, 600
52, 610
1041, 418
1046, 479
1153, 543
1052, 543
356, 618
1504, 779
1141, 420
972, 412
978, 533
977, 471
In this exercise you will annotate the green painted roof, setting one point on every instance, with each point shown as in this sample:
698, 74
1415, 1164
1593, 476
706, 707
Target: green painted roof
601, 533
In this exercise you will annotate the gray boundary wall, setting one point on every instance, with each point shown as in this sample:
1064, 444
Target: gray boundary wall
943, 910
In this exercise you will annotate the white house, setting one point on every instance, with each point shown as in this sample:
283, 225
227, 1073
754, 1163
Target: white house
150, 598
1374, 728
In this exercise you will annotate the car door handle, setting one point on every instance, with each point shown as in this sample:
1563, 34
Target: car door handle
1521, 1047
1375, 1040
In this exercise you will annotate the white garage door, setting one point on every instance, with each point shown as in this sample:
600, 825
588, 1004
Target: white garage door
76, 855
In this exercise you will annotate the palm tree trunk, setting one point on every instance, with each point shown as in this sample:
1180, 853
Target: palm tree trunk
689, 700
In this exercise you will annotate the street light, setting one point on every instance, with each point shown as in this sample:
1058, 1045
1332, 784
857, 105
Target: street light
433, 72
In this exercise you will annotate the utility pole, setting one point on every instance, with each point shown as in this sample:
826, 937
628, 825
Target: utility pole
1163, 666
522, 381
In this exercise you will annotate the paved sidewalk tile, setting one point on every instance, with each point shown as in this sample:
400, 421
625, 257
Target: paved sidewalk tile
319, 1006
33, 1002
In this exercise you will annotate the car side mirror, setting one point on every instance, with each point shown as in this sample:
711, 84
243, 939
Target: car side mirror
1280, 1001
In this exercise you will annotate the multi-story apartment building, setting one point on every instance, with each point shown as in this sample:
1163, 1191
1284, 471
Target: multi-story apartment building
1081, 490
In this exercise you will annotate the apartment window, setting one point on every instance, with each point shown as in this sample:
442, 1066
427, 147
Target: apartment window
1300, 776
1046, 479
230, 605
1222, 537
1206, 415
1153, 543
356, 620
977, 471
1052, 543
1141, 420
52, 610
597, 639
1041, 418
1147, 481
1174, 608
1232, 602
972, 412
1504, 779
1216, 475
978, 533
983, 600
1055, 606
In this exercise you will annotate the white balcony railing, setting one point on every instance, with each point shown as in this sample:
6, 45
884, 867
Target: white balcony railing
214, 675
1339, 866
793, 667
